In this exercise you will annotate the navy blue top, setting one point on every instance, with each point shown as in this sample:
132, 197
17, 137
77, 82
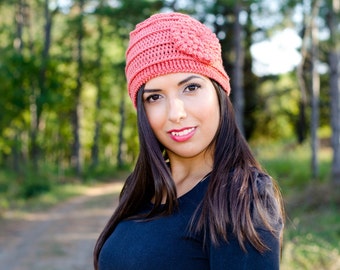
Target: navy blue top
165, 243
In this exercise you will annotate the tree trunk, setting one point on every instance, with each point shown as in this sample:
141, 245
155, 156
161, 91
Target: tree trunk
35, 93
310, 37
334, 64
301, 128
76, 159
315, 83
237, 74
98, 82
19, 22
18, 45
301, 125
38, 95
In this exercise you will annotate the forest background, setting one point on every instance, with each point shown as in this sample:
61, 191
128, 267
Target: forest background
65, 115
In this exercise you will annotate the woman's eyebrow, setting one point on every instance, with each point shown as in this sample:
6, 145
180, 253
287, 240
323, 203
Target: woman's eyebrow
151, 90
179, 83
188, 79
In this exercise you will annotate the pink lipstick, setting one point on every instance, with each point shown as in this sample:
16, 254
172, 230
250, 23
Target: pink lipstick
182, 135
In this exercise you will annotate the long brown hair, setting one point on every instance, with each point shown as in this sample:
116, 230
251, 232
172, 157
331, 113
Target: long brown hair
240, 195
234, 197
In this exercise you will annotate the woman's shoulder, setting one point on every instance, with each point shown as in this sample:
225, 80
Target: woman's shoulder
266, 204
263, 182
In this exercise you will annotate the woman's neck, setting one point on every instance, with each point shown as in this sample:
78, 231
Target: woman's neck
189, 172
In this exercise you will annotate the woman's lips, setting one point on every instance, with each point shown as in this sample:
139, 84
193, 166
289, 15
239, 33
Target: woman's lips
182, 135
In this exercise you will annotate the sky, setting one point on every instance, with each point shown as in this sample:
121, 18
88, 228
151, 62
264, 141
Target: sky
278, 54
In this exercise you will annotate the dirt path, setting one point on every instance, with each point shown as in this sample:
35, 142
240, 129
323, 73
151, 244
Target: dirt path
63, 238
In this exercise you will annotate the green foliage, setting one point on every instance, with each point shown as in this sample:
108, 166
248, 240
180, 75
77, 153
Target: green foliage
290, 163
31, 190
277, 108
34, 185
23, 185
39, 90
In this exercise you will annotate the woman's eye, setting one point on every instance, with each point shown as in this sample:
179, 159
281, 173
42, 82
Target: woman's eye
152, 98
192, 87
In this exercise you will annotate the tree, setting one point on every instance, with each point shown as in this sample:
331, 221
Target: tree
309, 78
334, 65
301, 125
99, 84
39, 92
124, 19
76, 158
315, 88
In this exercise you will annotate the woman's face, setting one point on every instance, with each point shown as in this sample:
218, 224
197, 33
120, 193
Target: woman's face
183, 112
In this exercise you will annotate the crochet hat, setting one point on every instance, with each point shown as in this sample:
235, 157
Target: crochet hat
169, 43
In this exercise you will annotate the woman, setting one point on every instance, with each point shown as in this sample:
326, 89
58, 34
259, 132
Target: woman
197, 198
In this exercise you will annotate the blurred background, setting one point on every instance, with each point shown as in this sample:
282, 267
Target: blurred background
66, 119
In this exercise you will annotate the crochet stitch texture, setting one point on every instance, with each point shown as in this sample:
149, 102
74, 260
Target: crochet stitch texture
169, 43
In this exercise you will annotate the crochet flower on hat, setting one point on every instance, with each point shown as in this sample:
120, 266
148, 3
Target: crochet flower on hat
196, 40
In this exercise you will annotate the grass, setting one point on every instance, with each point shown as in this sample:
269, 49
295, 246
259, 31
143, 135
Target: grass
43, 200
312, 228
31, 191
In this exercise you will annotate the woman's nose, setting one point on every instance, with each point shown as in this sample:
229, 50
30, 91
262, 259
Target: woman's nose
176, 110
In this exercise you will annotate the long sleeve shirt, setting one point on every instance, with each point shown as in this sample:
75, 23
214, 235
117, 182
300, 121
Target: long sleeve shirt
166, 243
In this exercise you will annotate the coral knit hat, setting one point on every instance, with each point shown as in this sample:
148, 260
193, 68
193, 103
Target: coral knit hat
169, 43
